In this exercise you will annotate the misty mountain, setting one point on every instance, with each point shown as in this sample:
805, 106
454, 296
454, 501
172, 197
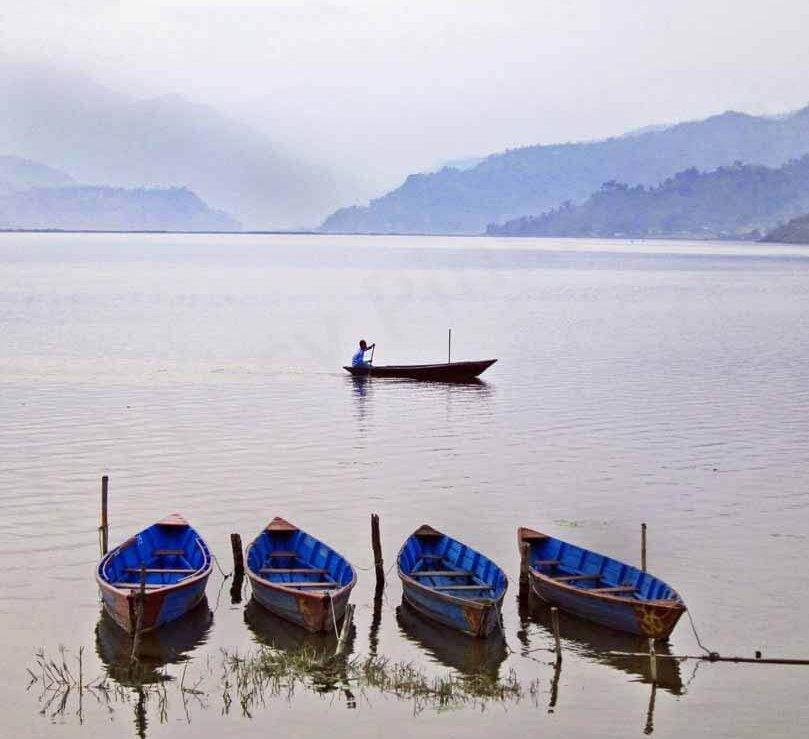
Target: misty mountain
534, 179
21, 174
90, 208
106, 138
730, 202
795, 231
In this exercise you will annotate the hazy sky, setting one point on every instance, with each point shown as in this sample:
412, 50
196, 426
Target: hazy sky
388, 87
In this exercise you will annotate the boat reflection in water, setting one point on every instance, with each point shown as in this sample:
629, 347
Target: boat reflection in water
466, 654
170, 644
594, 642
275, 632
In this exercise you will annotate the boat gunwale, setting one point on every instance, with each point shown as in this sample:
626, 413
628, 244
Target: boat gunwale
675, 605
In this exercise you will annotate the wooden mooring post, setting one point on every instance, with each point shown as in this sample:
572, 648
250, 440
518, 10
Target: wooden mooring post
345, 630
643, 547
105, 525
652, 661
557, 639
238, 555
139, 606
376, 545
525, 563
238, 569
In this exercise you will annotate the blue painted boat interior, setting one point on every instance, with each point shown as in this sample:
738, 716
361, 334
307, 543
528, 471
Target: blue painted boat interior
451, 568
297, 560
588, 570
170, 553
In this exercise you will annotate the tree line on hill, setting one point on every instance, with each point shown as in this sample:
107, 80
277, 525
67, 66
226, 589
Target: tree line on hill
737, 201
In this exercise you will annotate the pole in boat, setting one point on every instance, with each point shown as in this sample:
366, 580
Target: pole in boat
342, 642
373, 346
643, 547
139, 605
105, 527
449, 347
525, 556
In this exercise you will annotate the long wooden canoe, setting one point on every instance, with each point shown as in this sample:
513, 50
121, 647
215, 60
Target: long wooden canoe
451, 583
299, 577
177, 565
447, 372
599, 588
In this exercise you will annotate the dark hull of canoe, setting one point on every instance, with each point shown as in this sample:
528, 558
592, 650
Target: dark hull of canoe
162, 603
452, 372
652, 611
475, 616
315, 610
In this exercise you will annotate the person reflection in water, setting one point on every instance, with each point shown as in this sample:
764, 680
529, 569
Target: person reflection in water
358, 360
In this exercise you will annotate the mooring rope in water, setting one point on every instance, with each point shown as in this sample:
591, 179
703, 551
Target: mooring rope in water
219, 567
696, 636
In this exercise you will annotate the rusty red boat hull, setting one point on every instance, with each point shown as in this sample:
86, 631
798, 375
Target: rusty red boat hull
599, 588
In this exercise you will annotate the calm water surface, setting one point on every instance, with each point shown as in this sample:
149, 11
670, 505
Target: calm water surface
658, 383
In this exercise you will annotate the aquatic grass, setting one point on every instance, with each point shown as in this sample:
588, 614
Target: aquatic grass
250, 681
270, 673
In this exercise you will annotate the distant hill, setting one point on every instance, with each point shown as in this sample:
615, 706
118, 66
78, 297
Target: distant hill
730, 202
79, 208
794, 232
106, 138
20, 174
534, 179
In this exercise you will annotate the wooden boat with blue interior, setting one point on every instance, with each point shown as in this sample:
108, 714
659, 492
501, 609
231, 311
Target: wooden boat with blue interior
598, 588
451, 583
298, 577
175, 564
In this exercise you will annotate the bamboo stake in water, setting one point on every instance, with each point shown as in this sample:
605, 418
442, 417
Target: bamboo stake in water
141, 600
652, 661
449, 347
555, 624
105, 527
643, 547
342, 642
376, 545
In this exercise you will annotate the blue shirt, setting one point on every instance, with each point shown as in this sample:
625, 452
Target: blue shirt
358, 358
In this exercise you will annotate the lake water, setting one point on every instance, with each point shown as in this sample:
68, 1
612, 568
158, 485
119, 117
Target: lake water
665, 383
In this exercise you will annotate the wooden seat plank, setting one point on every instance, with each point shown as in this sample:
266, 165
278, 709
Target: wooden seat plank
463, 587
290, 555
292, 570
618, 589
316, 585
440, 573
168, 570
570, 578
168, 553
546, 562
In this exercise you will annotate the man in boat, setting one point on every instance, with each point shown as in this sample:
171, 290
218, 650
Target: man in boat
358, 360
